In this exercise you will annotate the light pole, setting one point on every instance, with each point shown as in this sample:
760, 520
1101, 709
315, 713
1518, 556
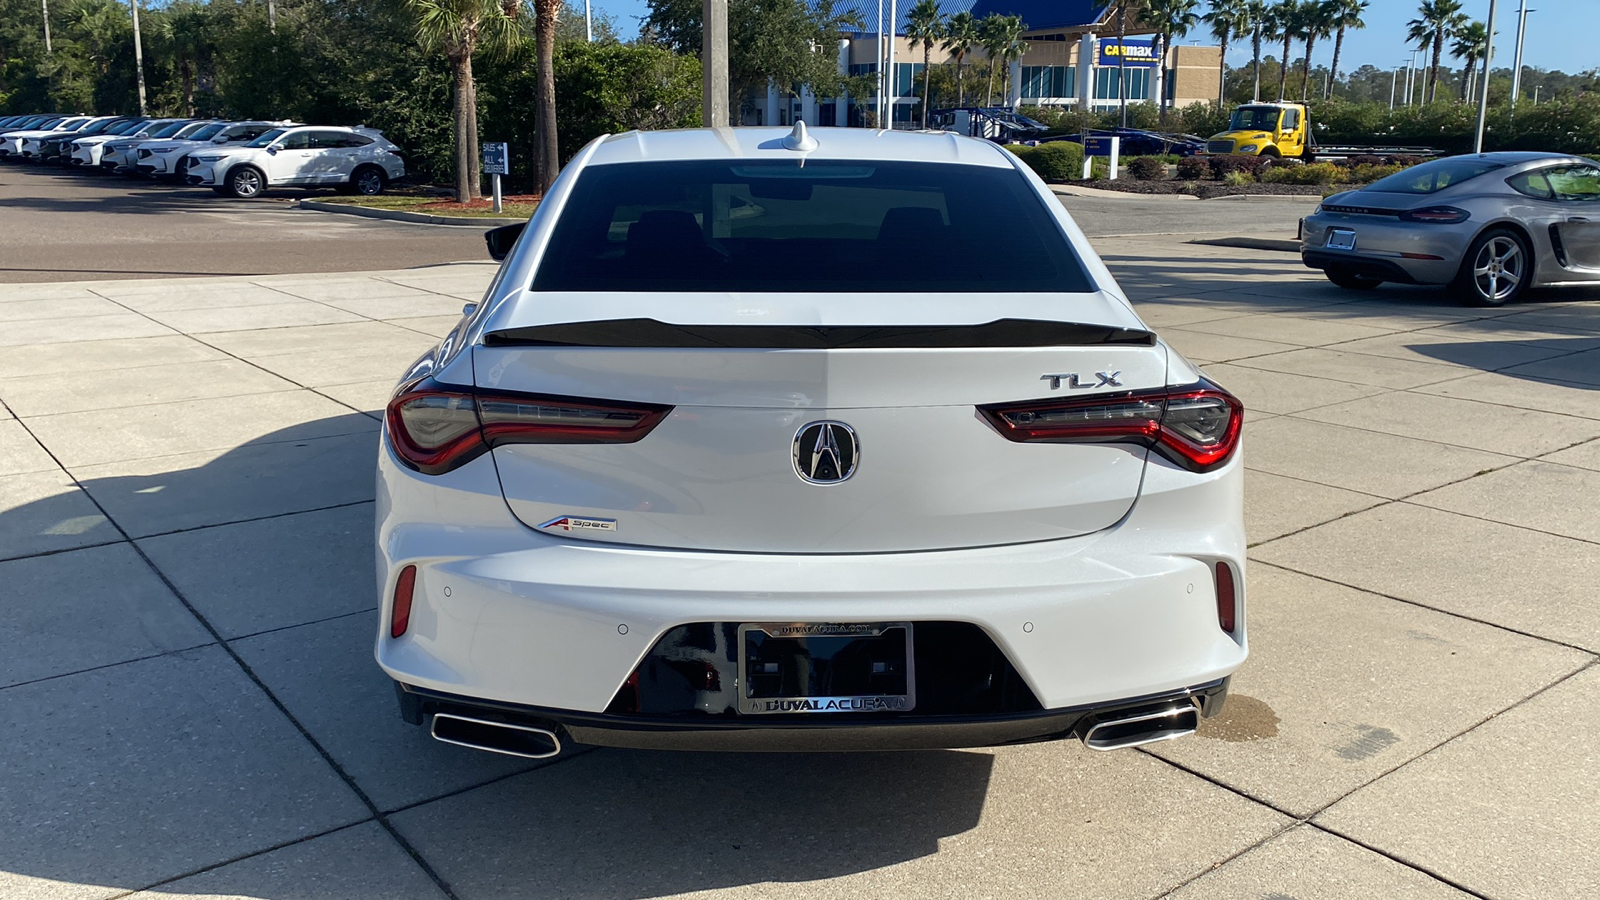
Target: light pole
714, 63
1516, 66
138, 56
1483, 96
46, 5
588, 22
1394, 82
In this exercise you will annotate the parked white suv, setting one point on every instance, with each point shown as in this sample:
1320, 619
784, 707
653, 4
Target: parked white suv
165, 159
361, 160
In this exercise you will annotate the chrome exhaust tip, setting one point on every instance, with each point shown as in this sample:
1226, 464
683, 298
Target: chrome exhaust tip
525, 741
1142, 727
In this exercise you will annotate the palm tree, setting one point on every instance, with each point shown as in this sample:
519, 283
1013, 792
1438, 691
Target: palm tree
1228, 19
994, 37
547, 146
925, 26
961, 38
1437, 23
1316, 21
187, 27
1015, 48
1284, 22
1471, 44
1170, 19
1346, 14
1257, 12
458, 28
1123, 8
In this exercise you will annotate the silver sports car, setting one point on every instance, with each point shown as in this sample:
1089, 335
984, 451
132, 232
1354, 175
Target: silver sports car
1490, 225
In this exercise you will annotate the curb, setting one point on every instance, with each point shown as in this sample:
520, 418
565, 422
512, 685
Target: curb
1252, 243
1072, 190
400, 215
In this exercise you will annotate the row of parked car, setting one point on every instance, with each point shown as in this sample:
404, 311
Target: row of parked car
240, 159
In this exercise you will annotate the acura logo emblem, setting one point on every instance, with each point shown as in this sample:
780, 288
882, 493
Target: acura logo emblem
826, 452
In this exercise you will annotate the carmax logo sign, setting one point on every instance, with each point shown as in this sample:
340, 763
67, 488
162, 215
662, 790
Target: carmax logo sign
1133, 53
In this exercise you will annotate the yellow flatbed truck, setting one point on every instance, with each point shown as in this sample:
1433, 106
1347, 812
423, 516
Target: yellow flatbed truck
1283, 130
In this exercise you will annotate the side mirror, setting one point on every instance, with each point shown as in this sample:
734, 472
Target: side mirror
502, 239
272, 149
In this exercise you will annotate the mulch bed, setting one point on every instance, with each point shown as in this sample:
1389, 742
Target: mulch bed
1206, 190
487, 203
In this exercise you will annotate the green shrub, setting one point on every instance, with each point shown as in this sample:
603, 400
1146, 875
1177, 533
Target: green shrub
1056, 162
1192, 167
1367, 174
1222, 166
1238, 179
1147, 168
1315, 173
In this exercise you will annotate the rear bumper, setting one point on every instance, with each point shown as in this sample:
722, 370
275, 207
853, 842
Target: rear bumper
800, 734
503, 614
1386, 269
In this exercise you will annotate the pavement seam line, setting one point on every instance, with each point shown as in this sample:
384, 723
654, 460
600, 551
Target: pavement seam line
538, 766
1418, 603
1407, 498
228, 862
201, 341
261, 685
1307, 819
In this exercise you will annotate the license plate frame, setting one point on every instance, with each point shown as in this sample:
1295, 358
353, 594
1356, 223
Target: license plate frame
1341, 239
761, 699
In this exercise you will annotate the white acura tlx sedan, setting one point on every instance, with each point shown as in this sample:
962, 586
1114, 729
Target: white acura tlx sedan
772, 440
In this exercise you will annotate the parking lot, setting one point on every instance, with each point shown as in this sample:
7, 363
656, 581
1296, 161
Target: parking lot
70, 225
186, 502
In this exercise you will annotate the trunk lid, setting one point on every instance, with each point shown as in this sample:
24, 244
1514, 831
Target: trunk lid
723, 471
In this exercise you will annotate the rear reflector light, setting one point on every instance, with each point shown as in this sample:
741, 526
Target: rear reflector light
435, 428
400, 615
1226, 598
1196, 426
1436, 215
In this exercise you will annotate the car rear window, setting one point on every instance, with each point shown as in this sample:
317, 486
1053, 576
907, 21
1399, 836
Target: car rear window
823, 226
1435, 176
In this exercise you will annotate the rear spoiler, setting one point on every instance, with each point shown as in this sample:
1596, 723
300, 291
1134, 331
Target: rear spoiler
620, 333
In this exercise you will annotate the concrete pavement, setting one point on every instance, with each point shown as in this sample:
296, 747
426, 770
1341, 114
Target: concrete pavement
62, 225
185, 532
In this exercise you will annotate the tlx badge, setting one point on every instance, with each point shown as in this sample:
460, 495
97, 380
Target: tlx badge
1073, 382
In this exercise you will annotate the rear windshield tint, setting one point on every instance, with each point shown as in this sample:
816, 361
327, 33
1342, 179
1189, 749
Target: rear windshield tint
1432, 177
825, 226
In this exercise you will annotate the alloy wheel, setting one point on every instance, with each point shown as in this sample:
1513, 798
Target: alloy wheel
369, 182
1498, 269
246, 183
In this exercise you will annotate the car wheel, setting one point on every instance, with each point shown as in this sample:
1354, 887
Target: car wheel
1271, 153
1497, 269
367, 181
246, 182
1350, 280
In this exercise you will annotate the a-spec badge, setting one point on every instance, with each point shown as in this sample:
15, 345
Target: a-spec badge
579, 523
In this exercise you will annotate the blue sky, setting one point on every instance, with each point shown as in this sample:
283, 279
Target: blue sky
1561, 35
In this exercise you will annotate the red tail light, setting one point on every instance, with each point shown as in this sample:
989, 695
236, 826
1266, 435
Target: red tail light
435, 428
1227, 602
1436, 215
400, 615
1196, 427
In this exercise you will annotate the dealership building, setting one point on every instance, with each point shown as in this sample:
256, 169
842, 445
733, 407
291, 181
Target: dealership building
1073, 58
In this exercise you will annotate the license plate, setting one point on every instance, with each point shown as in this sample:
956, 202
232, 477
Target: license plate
1341, 239
800, 667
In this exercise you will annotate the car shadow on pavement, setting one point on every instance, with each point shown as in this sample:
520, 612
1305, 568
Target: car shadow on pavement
637, 824
271, 542
1563, 362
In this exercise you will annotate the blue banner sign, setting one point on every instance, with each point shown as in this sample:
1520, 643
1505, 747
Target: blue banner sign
1131, 52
